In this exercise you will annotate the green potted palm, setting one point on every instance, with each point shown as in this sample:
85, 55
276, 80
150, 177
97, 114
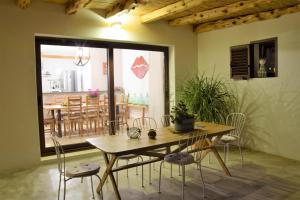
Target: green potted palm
182, 119
208, 98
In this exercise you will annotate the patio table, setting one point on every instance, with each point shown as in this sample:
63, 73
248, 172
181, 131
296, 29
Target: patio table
118, 145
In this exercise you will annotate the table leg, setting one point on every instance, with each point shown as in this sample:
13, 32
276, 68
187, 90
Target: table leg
109, 165
59, 131
221, 162
216, 153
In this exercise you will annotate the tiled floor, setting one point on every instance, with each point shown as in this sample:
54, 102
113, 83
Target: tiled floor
262, 177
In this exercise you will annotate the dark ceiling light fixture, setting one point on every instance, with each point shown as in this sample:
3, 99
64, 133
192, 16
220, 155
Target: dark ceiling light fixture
82, 56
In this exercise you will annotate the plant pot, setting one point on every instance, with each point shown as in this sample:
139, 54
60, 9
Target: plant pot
185, 125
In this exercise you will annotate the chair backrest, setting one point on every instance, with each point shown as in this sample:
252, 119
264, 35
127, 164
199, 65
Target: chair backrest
60, 155
92, 108
236, 120
195, 144
165, 120
103, 100
124, 100
115, 127
74, 106
60, 99
145, 123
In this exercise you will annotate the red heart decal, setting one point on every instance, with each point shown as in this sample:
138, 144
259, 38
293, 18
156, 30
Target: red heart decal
140, 67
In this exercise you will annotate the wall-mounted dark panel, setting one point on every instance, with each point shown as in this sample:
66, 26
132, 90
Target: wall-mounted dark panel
239, 62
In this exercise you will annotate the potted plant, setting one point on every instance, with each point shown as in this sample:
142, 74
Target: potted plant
208, 98
94, 93
183, 120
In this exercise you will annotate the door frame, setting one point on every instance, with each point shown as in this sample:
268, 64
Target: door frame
110, 46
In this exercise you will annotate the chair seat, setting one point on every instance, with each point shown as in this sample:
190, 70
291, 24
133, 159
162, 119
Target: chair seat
129, 156
83, 169
181, 158
228, 138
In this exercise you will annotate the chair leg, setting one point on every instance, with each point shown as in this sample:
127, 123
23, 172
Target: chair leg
65, 187
101, 185
150, 182
225, 154
171, 170
127, 169
117, 173
183, 181
241, 153
136, 168
203, 184
142, 171
179, 170
209, 158
59, 184
92, 187
159, 182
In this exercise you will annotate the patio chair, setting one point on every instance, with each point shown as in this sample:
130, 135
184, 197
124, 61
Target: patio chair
104, 110
120, 127
194, 145
165, 122
75, 114
236, 120
49, 123
77, 171
122, 108
92, 113
145, 124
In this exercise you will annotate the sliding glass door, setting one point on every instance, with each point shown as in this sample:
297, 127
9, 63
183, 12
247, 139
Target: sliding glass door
84, 84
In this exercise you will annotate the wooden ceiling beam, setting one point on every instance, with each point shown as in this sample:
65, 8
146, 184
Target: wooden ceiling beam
124, 5
23, 3
73, 6
220, 24
171, 9
120, 6
228, 11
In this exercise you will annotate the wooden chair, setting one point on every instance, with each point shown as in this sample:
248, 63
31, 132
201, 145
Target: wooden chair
192, 155
104, 110
92, 113
49, 122
77, 171
122, 108
74, 114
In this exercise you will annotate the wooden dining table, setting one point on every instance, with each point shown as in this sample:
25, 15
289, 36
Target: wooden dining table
114, 146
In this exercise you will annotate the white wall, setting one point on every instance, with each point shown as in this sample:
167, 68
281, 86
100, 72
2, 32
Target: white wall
272, 105
19, 144
99, 80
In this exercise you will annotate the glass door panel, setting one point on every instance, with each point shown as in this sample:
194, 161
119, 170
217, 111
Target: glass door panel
139, 84
74, 92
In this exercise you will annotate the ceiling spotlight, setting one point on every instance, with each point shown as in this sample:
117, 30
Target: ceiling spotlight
116, 25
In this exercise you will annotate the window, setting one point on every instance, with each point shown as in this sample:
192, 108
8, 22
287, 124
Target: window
255, 60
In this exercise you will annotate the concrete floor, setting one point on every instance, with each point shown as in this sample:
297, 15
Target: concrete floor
262, 177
